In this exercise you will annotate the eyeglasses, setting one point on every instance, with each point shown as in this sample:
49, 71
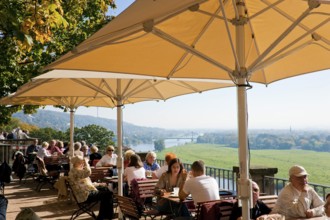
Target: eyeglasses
255, 190
110, 150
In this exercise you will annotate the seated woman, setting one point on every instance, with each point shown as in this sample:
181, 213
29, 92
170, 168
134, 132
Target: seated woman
43, 152
134, 170
85, 190
109, 159
95, 155
150, 164
127, 155
174, 177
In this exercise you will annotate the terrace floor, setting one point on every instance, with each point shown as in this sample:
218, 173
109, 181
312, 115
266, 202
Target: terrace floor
44, 203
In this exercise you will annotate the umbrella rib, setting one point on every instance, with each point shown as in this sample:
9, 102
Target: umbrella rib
290, 17
213, 16
273, 58
88, 84
180, 44
279, 39
237, 63
269, 6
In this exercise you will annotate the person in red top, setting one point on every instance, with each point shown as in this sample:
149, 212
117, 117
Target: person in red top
54, 149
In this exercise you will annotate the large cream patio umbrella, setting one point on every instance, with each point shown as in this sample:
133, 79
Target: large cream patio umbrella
243, 40
85, 88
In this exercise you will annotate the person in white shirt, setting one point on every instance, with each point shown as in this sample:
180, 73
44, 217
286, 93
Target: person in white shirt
135, 169
201, 187
298, 199
43, 152
109, 159
77, 151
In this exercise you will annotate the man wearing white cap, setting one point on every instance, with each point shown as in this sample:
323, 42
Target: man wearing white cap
297, 199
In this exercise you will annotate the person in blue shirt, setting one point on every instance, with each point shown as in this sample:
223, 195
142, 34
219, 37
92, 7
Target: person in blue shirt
150, 164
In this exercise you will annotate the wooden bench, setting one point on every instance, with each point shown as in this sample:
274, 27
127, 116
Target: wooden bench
269, 200
99, 173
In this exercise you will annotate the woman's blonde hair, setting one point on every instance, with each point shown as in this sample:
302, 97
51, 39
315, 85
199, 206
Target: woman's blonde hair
128, 154
44, 144
94, 149
110, 147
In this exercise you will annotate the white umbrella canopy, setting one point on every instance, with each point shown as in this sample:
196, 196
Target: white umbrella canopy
84, 88
243, 40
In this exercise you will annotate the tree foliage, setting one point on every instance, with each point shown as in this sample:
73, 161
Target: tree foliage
159, 145
34, 33
94, 134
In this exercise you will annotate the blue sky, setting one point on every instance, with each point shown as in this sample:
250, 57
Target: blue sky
300, 103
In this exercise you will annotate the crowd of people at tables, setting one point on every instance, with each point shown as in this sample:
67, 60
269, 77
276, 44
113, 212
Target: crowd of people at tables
296, 200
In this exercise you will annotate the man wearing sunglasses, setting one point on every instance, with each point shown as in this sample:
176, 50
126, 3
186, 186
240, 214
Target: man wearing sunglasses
258, 209
298, 199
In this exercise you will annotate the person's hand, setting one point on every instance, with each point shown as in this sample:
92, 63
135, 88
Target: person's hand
309, 213
305, 188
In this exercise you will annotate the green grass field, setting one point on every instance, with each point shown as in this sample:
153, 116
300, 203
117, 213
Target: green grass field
316, 163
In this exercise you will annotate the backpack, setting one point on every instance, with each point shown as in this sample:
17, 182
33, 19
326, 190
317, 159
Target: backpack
5, 172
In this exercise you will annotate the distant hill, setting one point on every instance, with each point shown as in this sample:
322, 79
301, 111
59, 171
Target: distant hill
61, 121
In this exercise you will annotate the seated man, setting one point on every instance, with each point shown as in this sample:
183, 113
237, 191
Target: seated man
259, 208
297, 199
201, 187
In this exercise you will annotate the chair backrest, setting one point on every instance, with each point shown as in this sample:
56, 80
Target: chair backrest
215, 209
95, 162
147, 187
41, 166
128, 207
269, 200
70, 190
98, 174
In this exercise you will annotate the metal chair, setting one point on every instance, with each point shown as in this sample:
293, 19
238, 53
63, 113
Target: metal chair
83, 207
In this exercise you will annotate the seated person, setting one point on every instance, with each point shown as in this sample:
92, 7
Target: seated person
33, 148
77, 151
259, 208
127, 155
168, 157
174, 177
53, 149
134, 170
298, 199
43, 152
201, 187
150, 164
95, 155
109, 159
85, 190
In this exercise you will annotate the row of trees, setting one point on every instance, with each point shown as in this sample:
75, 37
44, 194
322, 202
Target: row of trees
307, 140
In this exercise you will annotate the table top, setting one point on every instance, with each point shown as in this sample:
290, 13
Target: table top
175, 198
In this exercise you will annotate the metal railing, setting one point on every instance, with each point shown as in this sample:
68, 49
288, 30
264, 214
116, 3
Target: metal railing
8, 147
271, 185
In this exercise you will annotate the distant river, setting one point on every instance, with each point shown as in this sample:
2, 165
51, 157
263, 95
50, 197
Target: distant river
168, 143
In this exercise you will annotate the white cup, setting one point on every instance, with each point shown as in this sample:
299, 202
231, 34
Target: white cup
176, 190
